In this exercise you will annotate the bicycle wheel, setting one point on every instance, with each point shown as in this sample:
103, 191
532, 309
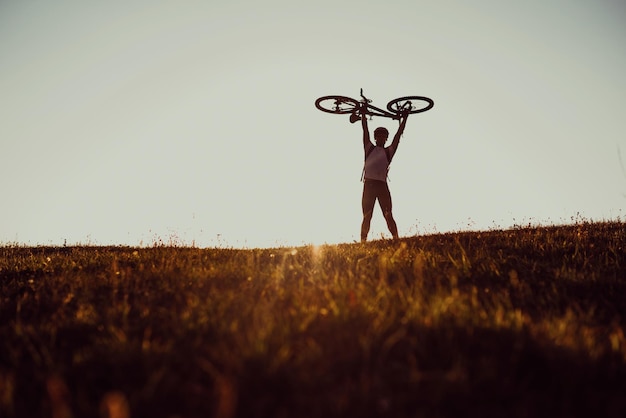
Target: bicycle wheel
338, 105
412, 104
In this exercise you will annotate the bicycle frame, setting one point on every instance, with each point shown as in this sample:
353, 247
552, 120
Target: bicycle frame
372, 110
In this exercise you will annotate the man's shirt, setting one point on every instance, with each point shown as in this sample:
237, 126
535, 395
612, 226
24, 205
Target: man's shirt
377, 162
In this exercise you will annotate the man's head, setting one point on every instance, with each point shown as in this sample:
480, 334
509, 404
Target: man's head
380, 136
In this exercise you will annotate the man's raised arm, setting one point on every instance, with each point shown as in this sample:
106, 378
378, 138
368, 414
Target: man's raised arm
366, 132
396, 138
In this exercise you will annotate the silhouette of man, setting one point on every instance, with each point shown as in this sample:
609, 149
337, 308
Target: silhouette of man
375, 187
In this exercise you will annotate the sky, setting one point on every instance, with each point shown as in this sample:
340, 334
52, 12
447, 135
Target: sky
193, 122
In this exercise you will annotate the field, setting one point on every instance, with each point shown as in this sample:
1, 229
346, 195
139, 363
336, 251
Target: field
527, 322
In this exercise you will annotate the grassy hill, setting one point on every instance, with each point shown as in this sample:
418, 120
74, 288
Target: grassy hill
521, 323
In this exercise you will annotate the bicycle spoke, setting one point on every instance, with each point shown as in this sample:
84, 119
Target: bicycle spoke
341, 106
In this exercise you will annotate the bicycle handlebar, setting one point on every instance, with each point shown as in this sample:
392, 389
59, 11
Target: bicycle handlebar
365, 99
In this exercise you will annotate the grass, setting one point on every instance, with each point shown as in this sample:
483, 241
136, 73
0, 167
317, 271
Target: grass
525, 322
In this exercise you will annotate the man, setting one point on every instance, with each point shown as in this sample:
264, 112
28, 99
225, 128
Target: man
377, 160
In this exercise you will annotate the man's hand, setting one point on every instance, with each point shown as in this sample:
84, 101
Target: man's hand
363, 110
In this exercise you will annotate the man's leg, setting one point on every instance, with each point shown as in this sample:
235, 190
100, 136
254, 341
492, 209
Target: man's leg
385, 204
367, 203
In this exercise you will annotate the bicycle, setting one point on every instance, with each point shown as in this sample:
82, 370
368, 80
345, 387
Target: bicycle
396, 108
